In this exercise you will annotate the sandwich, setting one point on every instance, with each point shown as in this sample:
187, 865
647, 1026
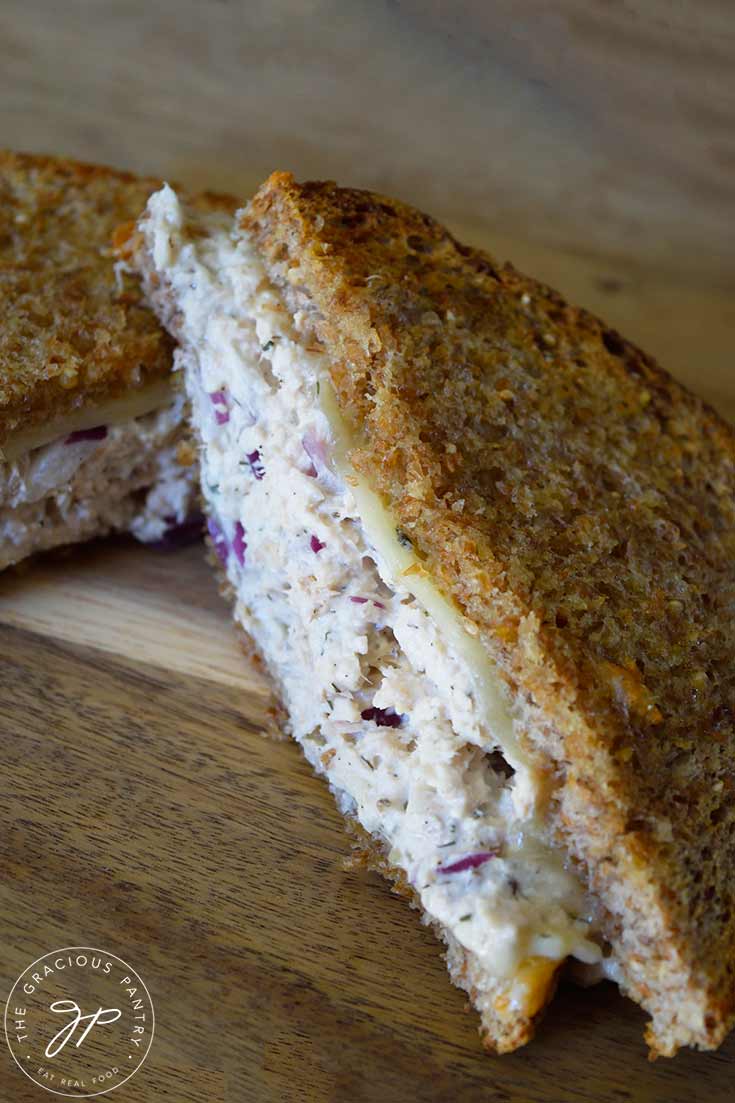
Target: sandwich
93, 437
485, 548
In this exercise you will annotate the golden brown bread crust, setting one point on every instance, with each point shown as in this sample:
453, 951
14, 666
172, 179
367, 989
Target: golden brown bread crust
579, 505
71, 333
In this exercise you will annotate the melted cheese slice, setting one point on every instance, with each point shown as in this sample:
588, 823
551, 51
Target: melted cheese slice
116, 411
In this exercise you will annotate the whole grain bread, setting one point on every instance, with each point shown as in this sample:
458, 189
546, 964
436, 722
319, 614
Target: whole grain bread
74, 327
578, 505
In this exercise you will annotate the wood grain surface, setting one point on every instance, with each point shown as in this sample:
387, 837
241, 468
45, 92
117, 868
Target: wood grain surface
141, 808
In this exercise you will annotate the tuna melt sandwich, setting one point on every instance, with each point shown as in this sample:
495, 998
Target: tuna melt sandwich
486, 550
93, 437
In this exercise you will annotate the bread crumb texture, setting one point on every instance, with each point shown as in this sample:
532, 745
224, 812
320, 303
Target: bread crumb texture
579, 507
75, 329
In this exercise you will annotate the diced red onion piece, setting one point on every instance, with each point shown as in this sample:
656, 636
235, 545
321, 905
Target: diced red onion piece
379, 604
471, 861
221, 405
316, 545
219, 542
256, 466
238, 544
179, 534
384, 718
316, 449
359, 600
99, 432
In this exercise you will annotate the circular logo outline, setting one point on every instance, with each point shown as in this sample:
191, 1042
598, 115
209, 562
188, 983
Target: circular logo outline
91, 950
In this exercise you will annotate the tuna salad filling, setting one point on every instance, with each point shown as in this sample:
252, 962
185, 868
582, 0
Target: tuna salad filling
122, 477
390, 697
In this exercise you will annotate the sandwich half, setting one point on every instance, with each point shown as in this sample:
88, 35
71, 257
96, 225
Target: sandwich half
486, 549
93, 436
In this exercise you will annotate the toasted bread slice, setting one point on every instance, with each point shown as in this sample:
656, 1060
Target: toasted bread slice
91, 432
536, 525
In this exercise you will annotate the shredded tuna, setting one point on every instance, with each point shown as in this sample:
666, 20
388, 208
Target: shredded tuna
315, 448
